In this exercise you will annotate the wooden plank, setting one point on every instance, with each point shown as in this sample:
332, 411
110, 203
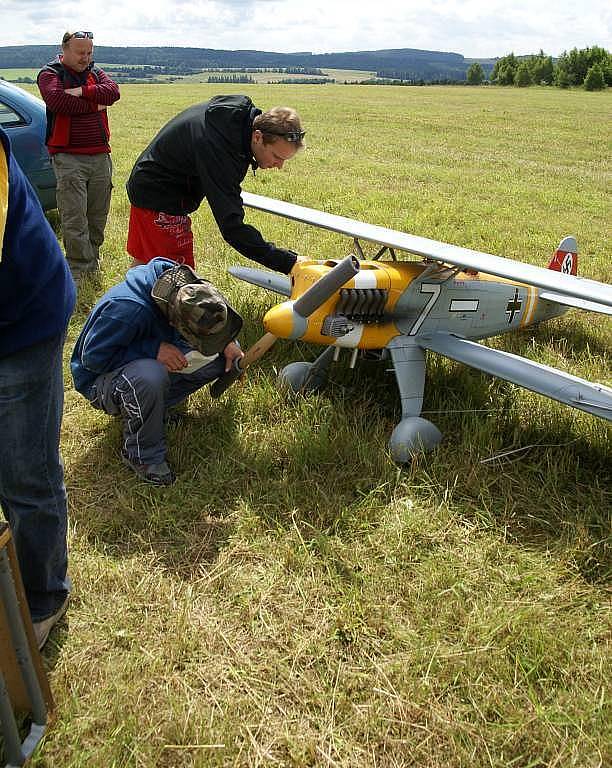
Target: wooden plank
8, 659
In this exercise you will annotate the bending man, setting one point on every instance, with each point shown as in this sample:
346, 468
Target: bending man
205, 152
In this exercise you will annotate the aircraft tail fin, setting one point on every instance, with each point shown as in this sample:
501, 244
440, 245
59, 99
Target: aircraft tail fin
565, 258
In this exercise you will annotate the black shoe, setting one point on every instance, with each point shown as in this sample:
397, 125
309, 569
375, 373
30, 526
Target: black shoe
156, 474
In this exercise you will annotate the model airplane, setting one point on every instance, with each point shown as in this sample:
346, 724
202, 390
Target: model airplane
444, 303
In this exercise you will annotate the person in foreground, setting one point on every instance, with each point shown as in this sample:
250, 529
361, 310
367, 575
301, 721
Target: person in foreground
77, 95
37, 296
205, 152
147, 344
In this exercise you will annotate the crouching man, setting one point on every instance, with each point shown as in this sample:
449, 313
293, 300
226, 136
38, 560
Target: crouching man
148, 343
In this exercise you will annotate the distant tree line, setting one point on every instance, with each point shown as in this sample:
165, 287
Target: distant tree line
446, 75
303, 71
303, 81
229, 78
147, 73
266, 70
588, 67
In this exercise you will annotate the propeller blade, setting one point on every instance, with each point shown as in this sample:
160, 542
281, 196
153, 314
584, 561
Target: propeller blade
252, 354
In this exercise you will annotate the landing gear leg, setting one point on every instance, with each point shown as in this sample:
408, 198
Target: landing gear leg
413, 434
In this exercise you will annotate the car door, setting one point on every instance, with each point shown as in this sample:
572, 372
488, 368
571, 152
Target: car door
23, 118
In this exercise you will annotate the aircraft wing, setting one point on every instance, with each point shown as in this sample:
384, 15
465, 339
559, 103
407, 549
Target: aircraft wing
567, 285
571, 390
572, 301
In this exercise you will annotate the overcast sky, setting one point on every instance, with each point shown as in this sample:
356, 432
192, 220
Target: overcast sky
482, 28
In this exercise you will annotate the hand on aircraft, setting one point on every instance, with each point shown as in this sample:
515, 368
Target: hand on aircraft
232, 352
298, 259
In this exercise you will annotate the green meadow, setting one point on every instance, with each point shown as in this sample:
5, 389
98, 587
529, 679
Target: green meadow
339, 75
297, 599
13, 74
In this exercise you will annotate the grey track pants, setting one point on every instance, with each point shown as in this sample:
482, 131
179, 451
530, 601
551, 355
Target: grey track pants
140, 392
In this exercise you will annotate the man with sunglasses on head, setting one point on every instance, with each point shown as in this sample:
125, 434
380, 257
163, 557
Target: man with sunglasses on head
205, 152
77, 94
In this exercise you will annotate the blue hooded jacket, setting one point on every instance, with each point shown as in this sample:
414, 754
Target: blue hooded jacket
123, 326
37, 293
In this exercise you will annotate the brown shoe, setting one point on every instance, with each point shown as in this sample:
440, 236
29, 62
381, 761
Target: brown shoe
44, 627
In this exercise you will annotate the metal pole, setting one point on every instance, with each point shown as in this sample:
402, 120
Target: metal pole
10, 733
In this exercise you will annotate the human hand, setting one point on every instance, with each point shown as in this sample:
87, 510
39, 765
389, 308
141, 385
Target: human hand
78, 91
298, 258
101, 107
171, 357
232, 352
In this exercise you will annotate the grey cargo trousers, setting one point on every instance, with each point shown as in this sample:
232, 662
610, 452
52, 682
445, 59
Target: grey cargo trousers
140, 392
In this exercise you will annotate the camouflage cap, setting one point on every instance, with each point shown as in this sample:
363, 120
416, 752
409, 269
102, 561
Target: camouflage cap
198, 311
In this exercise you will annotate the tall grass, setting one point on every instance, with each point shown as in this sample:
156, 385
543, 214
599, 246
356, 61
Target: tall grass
296, 599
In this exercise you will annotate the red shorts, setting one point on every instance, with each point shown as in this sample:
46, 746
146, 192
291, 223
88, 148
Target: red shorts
152, 233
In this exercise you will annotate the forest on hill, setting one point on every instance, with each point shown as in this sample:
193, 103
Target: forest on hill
420, 65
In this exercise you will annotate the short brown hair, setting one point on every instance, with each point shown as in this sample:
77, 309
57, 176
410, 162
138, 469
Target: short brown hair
67, 36
278, 123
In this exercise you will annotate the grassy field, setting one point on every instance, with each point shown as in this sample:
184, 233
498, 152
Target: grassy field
340, 75
13, 74
296, 599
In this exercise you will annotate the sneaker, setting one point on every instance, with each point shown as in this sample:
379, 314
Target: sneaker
174, 417
156, 474
44, 627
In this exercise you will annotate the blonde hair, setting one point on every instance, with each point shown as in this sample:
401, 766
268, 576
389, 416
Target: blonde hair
280, 123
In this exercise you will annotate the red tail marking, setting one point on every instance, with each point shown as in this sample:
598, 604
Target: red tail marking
564, 261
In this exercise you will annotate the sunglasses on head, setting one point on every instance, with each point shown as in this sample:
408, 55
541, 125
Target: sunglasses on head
81, 36
290, 136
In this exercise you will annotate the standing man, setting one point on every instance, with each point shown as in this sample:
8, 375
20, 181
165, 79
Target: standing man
148, 343
77, 94
205, 152
37, 297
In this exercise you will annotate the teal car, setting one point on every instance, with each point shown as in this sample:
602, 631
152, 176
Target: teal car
23, 118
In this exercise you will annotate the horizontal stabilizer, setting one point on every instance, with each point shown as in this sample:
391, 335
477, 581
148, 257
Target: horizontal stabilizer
272, 281
572, 301
571, 390
547, 279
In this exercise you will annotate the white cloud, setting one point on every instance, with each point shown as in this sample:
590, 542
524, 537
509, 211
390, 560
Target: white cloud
470, 27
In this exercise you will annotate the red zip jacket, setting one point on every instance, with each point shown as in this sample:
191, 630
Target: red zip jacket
75, 124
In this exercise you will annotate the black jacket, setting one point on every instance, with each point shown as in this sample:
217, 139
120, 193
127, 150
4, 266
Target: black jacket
205, 152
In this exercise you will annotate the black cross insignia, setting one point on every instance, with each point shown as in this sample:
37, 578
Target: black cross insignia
513, 306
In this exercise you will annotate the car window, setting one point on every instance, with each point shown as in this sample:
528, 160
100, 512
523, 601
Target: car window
8, 117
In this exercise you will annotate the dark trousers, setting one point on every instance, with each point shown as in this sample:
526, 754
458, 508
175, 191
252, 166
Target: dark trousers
32, 491
140, 392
